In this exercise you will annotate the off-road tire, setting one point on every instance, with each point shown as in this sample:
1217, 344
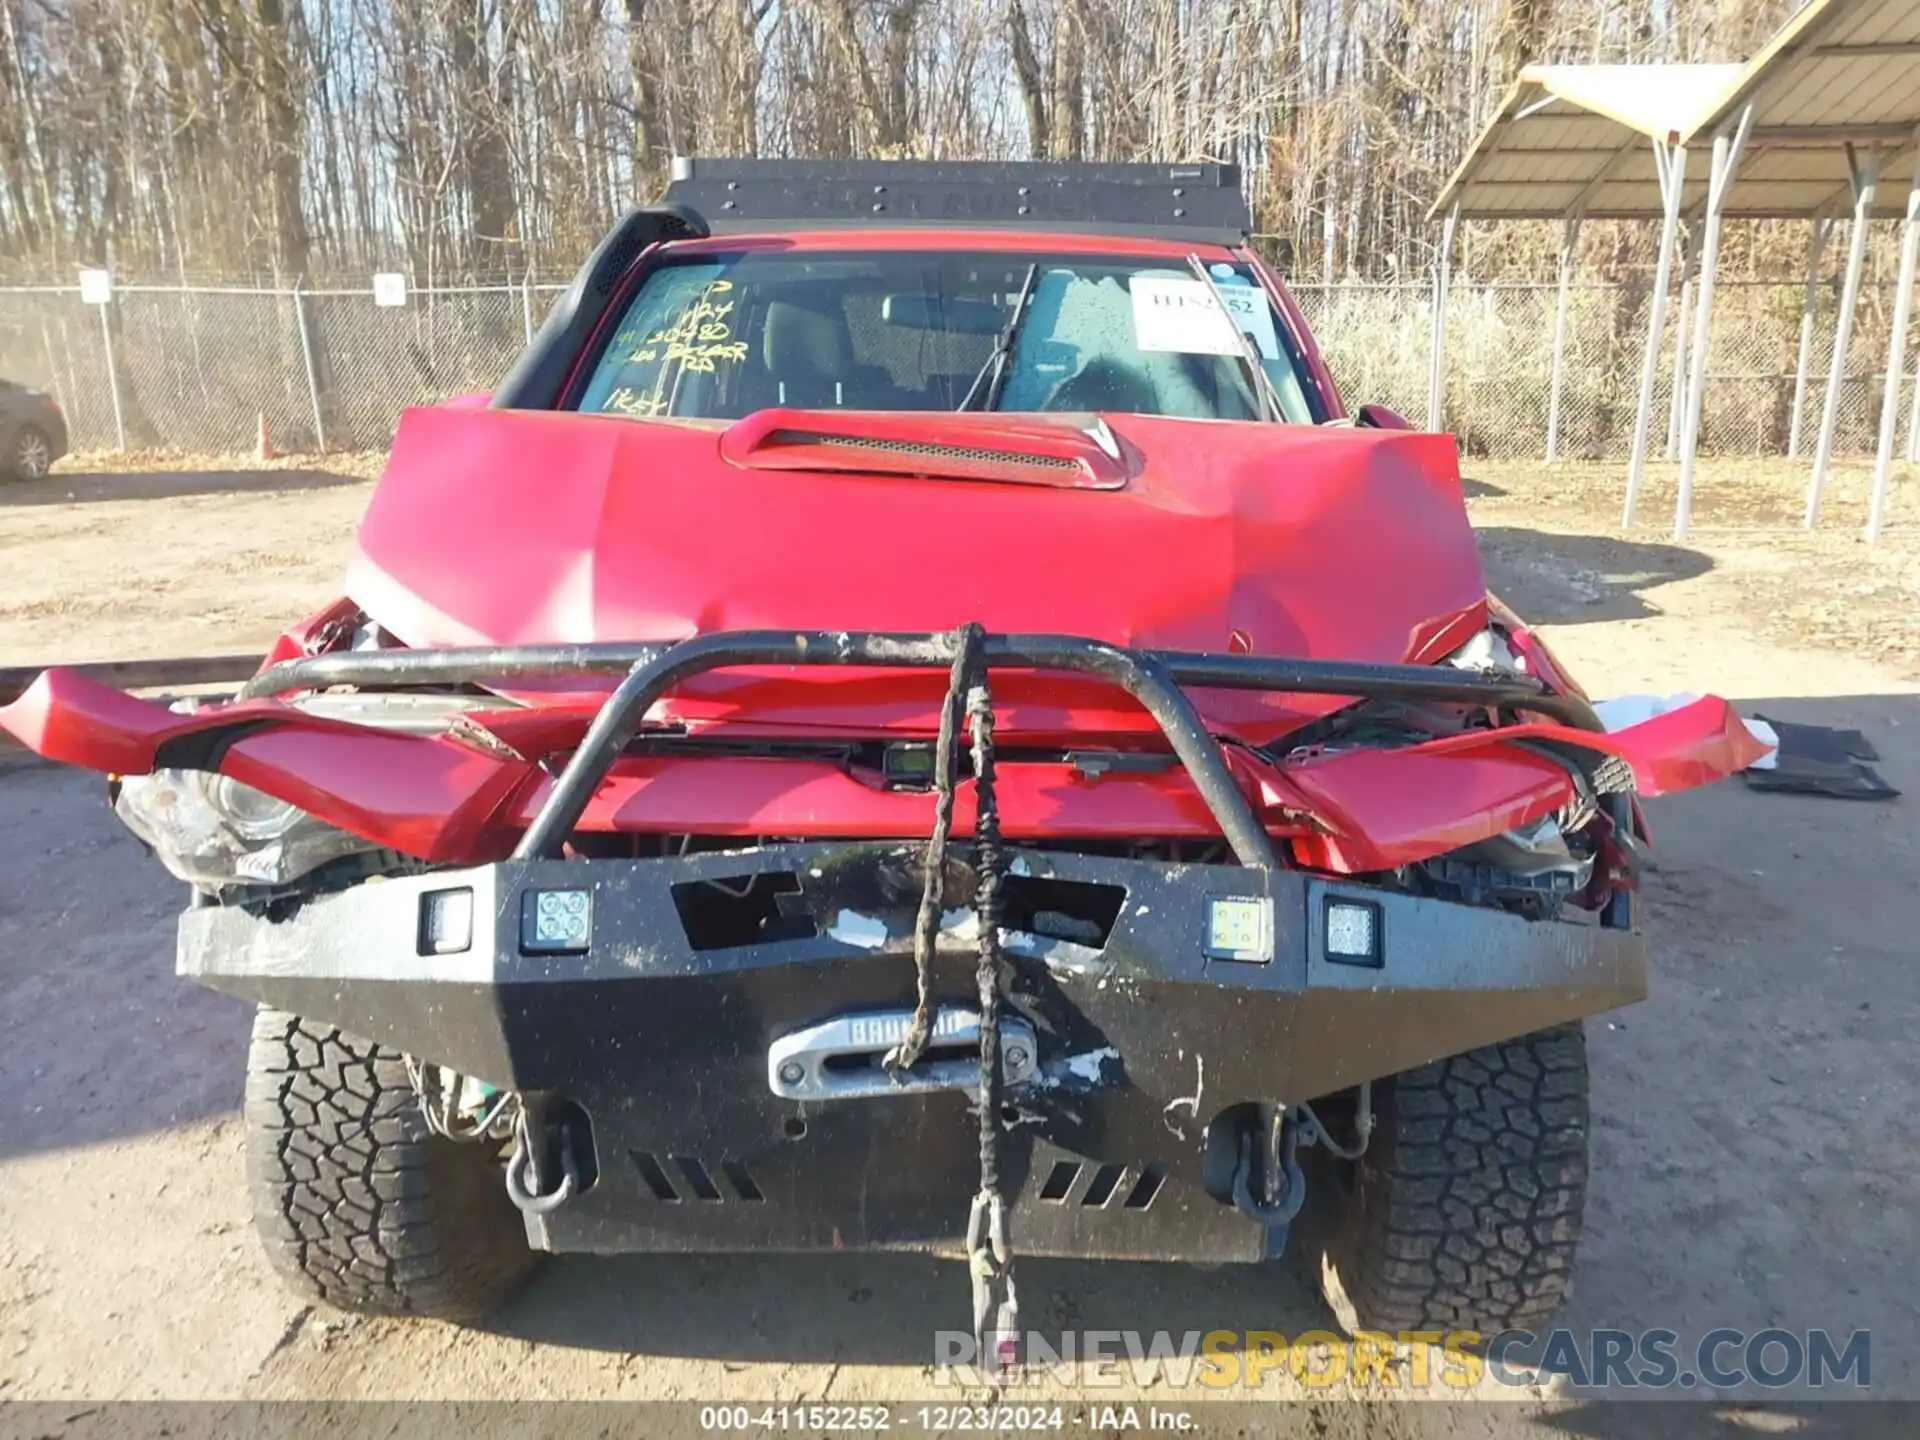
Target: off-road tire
357, 1202
1464, 1212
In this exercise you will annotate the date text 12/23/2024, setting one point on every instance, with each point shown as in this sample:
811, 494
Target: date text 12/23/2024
943, 1419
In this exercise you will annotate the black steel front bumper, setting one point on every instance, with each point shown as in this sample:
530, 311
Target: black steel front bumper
660, 1027
1143, 1039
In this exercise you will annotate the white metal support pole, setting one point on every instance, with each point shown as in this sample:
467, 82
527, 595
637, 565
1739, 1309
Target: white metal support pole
1913, 420
1866, 177
1670, 161
1437, 362
313, 379
526, 304
1816, 249
1677, 393
113, 378
1569, 237
1896, 353
1726, 159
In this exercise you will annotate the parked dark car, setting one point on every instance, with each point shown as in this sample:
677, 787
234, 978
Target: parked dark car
33, 432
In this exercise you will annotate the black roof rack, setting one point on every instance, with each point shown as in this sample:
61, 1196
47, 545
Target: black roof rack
1196, 203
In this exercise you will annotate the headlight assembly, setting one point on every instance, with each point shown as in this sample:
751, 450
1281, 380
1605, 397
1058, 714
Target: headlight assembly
213, 831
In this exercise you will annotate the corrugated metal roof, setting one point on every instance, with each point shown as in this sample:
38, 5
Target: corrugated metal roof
1577, 137
1839, 72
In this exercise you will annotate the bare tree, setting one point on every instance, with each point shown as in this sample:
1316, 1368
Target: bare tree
482, 137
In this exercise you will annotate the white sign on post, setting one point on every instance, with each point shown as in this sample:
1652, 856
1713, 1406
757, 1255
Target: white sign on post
1177, 314
96, 287
389, 289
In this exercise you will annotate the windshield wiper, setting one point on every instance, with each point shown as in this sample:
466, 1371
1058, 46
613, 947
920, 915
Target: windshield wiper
1264, 394
1000, 361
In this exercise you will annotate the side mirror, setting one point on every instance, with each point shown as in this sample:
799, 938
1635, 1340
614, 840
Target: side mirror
1379, 417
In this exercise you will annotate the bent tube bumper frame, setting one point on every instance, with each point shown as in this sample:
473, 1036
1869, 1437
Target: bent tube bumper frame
1153, 678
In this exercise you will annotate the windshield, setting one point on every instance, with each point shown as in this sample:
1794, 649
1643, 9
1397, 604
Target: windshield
724, 335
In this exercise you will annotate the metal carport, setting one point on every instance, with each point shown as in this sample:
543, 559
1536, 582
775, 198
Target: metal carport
1807, 126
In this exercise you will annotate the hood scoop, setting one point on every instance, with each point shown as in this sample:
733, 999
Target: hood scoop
1075, 452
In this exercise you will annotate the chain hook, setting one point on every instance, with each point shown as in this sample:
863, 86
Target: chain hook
996, 1308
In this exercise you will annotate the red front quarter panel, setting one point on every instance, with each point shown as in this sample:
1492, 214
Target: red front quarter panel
440, 800
429, 797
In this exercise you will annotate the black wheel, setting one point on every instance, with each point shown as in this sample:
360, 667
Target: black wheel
32, 455
1464, 1212
359, 1204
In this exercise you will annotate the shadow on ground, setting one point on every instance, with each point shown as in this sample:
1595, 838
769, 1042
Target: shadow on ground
880, 1309
1553, 579
58, 489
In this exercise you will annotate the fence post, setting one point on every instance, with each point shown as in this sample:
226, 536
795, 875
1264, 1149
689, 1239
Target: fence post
526, 303
53, 363
313, 378
113, 378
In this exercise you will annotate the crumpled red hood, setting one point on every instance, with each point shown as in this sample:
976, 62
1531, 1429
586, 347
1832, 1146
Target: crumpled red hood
499, 527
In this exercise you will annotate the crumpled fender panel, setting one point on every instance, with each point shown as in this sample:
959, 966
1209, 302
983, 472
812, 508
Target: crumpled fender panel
440, 799
427, 796
1377, 809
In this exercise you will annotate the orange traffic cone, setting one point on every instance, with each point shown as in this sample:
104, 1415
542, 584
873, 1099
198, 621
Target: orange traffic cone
263, 450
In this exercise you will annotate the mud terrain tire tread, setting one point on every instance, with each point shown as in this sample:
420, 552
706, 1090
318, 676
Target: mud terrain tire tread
1470, 1199
358, 1204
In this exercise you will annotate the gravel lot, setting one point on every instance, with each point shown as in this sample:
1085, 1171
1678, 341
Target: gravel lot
1755, 1163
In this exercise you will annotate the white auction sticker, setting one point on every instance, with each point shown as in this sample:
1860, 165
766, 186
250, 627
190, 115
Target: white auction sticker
1179, 314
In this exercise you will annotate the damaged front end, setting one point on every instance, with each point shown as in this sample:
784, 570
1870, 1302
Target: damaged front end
691, 1017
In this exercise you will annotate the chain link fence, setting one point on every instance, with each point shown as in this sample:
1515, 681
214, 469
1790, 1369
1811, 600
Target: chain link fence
196, 369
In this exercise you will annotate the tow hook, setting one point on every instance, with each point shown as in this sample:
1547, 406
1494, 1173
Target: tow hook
1281, 1209
526, 1177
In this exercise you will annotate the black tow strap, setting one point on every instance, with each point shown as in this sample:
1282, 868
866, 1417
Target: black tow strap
996, 1325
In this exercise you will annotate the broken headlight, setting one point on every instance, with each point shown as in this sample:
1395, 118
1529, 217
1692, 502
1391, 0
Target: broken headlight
1490, 650
213, 831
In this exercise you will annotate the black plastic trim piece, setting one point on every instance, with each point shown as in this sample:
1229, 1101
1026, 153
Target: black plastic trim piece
1192, 203
537, 378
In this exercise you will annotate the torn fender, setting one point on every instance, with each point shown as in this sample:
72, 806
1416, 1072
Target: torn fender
1375, 810
431, 797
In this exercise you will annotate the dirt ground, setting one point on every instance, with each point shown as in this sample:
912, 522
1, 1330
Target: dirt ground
1754, 1160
